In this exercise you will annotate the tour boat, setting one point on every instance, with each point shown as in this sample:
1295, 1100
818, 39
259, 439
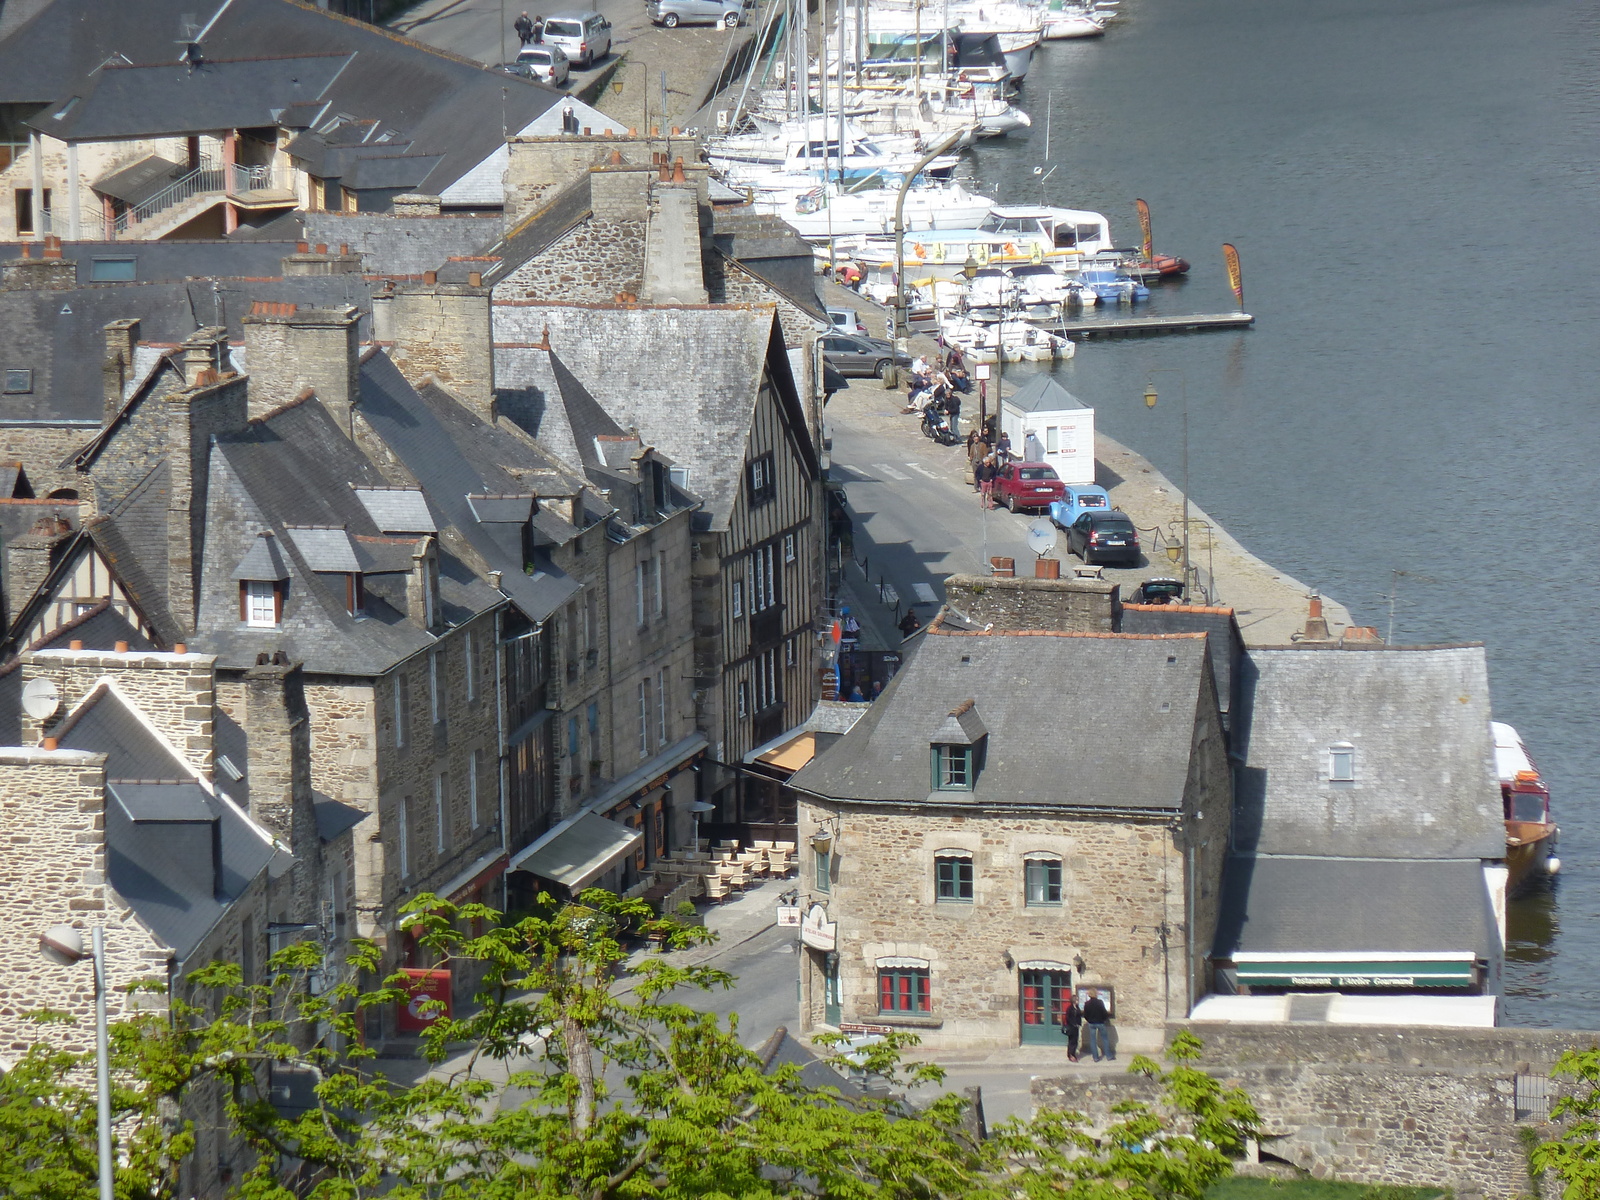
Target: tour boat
1531, 836
824, 210
1009, 236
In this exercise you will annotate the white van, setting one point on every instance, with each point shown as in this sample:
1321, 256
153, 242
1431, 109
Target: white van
585, 37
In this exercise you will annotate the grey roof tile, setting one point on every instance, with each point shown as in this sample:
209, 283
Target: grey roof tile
398, 509
1043, 394
1124, 741
263, 561
325, 548
1419, 721
1329, 905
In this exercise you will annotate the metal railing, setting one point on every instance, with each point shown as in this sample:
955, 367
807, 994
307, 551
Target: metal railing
209, 178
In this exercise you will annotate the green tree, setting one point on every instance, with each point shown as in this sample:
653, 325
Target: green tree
1573, 1155
567, 1081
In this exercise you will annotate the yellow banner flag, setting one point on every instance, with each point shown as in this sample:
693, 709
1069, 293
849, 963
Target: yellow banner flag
1230, 255
1144, 227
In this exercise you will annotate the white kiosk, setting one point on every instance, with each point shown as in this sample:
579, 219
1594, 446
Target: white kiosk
1048, 424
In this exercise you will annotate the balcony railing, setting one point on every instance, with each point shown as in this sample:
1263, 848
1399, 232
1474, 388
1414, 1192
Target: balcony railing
209, 178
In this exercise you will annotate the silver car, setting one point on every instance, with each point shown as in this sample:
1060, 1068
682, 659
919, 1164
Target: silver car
545, 64
672, 13
584, 37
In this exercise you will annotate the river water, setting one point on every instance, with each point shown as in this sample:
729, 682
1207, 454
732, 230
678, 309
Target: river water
1412, 187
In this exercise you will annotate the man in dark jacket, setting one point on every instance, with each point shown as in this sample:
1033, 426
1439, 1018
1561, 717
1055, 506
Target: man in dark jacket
524, 27
1097, 1017
1071, 1025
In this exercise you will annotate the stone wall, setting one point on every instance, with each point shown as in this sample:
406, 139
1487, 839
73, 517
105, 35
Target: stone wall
46, 453
174, 692
52, 823
404, 243
1059, 605
589, 264
444, 330
1374, 1104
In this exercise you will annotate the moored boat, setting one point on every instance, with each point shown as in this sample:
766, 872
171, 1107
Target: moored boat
1531, 835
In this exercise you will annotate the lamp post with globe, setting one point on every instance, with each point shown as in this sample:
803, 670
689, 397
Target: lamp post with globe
63, 945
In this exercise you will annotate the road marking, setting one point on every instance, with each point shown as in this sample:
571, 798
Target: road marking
924, 593
922, 470
886, 469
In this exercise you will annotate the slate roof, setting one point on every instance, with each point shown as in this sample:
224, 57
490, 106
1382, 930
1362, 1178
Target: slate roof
781, 1050
1327, 905
148, 177
1121, 737
1043, 394
1419, 721
431, 102
1227, 643
686, 377
295, 469
398, 509
171, 99
453, 455
174, 261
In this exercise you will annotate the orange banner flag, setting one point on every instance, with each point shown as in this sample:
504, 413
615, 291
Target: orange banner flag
1230, 255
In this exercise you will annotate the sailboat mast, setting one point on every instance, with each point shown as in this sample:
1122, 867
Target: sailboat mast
841, 94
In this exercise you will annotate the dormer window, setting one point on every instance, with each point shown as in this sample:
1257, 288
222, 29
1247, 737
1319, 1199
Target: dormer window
261, 603
952, 768
957, 747
1341, 763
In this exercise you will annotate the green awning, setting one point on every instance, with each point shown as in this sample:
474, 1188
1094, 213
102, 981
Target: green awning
1372, 973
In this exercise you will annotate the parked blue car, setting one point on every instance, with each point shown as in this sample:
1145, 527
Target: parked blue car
1079, 499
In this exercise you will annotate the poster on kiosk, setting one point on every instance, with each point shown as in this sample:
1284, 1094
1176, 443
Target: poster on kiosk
430, 999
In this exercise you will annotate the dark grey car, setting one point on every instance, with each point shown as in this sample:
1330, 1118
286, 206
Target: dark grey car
851, 355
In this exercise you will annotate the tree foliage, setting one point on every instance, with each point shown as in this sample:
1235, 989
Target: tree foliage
1573, 1155
570, 1079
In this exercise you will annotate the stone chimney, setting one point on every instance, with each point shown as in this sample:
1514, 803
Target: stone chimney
207, 407
29, 559
122, 340
672, 269
1316, 629
414, 204
174, 692
444, 330
1054, 605
49, 273
319, 260
422, 586
291, 349
279, 728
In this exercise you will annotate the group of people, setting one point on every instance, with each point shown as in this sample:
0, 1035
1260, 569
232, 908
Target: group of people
936, 391
529, 29
1091, 1020
989, 456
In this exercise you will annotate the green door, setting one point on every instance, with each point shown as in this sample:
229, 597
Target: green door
832, 1009
1044, 995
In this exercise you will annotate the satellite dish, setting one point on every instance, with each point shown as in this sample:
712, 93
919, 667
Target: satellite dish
1041, 536
40, 699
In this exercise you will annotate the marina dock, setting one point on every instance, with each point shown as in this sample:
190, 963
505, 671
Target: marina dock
1128, 326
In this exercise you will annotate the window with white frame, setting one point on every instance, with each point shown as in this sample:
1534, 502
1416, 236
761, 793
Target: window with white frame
791, 652
435, 693
262, 602
744, 700
763, 579
659, 574
763, 484
644, 718
788, 547
403, 836
402, 709
643, 588
1342, 763
441, 819
765, 667
1041, 880
952, 877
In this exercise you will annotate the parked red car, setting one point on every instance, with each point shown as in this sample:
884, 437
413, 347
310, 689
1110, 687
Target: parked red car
1028, 485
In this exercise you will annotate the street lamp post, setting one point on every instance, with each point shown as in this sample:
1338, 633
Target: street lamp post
62, 944
901, 322
970, 270
1150, 402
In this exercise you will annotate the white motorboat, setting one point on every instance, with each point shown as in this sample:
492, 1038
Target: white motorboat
813, 143
825, 210
1018, 341
1042, 291
1061, 24
1011, 235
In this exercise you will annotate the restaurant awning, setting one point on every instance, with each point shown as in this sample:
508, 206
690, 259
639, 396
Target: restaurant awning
1448, 969
578, 851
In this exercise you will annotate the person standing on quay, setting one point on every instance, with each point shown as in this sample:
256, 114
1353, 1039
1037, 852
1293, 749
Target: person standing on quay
1097, 1018
524, 27
1071, 1026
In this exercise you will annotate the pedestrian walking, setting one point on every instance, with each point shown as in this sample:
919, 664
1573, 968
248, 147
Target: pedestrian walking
985, 474
1097, 1026
909, 624
1071, 1026
524, 27
1002, 449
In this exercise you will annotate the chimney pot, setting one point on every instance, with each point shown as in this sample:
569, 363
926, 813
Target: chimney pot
655, 131
122, 647
674, 131
75, 644
475, 278
1316, 606
616, 158
632, 132
344, 247
27, 249
49, 743
180, 648
430, 277
677, 172
302, 247
609, 134
322, 247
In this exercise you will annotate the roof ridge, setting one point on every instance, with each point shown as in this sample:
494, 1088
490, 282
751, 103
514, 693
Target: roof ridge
1188, 608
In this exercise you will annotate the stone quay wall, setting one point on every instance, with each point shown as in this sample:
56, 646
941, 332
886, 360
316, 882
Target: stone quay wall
1375, 1104
1058, 605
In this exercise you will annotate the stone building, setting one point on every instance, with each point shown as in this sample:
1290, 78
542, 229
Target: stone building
282, 107
1021, 814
